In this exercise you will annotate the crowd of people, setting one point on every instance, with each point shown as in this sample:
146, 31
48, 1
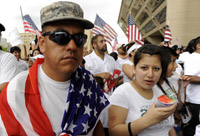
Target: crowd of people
62, 89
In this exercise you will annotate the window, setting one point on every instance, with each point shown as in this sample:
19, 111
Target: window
143, 16
161, 16
149, 26
154, 4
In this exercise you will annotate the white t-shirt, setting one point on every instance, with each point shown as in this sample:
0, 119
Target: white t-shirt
192, 67
127, 97
183, 56
96, 65
53, 101
8, 67
171, 93
175, 82
121, 61
197, 130
125, 78
22, 65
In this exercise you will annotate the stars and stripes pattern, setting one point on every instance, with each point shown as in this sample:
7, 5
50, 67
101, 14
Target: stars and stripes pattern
89, 100
29, 25
85, 103
168, 36
133, 32
101, 27
114, 44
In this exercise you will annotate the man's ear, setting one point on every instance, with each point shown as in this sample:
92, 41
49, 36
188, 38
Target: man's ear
94, 45
42, 44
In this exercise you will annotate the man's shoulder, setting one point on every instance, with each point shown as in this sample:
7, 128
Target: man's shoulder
8, 58
110, 58
22, 61
4, 54
89, 56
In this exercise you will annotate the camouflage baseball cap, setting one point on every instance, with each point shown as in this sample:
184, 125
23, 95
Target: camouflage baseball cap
2, 28
64, 10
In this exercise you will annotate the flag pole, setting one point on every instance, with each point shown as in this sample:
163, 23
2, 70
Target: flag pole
22, 17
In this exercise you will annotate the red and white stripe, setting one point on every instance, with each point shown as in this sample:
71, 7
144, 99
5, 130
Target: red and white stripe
21, 111
133, 33
28, 28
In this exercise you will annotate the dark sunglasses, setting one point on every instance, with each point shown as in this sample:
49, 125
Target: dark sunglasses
63, 37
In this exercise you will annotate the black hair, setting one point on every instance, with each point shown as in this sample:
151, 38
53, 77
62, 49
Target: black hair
128, 46
197, 41
99, 81
2, 28
150, 49
167, 52
175, 47
114, 55
94, 39
83, 61
15, 48
190, 46
37, 49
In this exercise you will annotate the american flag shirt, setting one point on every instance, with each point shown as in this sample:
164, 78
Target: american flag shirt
21, 112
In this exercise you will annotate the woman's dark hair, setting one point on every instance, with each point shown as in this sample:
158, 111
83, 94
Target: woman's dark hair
15, 48
114, 55
167, 53
37, 49
128, 46
150, 49
190, 46
197, 41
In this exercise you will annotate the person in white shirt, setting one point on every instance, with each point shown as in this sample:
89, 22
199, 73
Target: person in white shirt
192, 77
16, 51
128, 66
189, 50
133, 111
8, 65
99, 63
122, 54
56, 96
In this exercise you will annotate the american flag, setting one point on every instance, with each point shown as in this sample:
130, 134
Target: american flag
114, 44
168, 36
101, 27
89, 100
29, 25
84, 104
133, 32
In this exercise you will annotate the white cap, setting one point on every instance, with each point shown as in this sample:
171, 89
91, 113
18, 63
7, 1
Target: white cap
133, 47
37, 56
118, 45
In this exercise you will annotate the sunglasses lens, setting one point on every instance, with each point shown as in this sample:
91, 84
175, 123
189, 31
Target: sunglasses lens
61, 38
80, 39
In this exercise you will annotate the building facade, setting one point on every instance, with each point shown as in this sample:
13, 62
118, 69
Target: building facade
151, 17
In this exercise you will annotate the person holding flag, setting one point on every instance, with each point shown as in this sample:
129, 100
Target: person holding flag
101, 64
56, 96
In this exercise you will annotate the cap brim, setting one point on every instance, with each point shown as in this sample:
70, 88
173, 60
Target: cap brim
2, 28
86, 23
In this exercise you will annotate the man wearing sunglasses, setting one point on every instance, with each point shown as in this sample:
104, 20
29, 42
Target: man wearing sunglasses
56, 96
